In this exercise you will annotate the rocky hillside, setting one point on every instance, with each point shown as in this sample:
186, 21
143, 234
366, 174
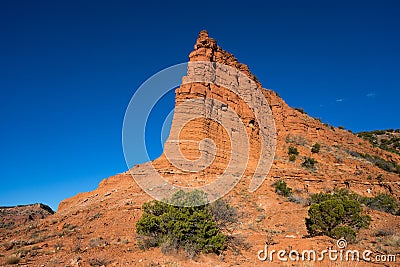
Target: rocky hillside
98, 228
388, 140
11, 216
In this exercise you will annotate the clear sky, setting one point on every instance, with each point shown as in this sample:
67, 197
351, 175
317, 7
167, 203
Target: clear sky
69, 68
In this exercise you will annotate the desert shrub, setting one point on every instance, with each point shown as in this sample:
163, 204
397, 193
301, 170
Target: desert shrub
147, 241
191, 228
169, 244
97, 242
282, 189
69, 226
341, 127
296, 139
293, 151
298, 200
341, 193
382, 202
255, 78
6, 225
301, 110
383, 232
309, 163
98, 262
336, 215
316, 148
388, 142
292, 158
345, 232
237, 243
13, 259
385, 165
188, 199
223, 213
380, 178
389, 166
354, 153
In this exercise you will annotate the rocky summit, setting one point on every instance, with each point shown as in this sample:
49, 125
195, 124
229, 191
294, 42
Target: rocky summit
98, 228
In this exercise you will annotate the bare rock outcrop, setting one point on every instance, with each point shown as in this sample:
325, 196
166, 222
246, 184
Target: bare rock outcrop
15, 215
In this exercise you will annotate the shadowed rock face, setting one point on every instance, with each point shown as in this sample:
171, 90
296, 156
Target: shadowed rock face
11, 216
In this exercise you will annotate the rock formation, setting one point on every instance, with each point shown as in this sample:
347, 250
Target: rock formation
100, 225
12, 216
335, 161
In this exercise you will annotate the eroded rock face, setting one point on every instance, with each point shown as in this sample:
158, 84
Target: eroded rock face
222, 129
335, 168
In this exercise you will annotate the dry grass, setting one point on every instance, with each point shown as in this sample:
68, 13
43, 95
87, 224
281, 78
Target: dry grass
98, 262
13, 259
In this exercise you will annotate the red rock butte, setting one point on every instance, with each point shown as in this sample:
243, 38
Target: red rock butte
101, 224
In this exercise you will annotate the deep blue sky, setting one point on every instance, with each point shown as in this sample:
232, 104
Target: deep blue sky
69, 68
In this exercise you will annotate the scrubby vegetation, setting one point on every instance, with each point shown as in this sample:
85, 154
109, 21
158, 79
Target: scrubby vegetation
13, 259
316, 148
338, 215
282, 189
309, 163
388, 140
296, 139
223, 213
301, 110
98, 262
293, 151
191, 228
389, 166
382, 202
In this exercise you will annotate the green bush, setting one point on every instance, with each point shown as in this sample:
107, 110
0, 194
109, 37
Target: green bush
336, 215
309, 163
192, 229
293, 151
316, 147
344, 232
282, 189
292, 158
383, 202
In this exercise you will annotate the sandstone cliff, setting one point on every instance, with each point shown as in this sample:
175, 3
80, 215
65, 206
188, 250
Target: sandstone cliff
100, 225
